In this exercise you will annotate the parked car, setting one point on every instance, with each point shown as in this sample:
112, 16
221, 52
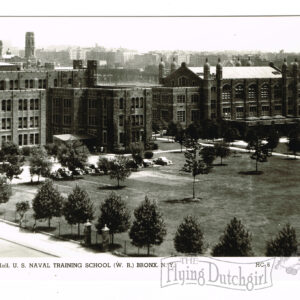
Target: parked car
163, 161
56, 175
147, 162
78, 171
64, 172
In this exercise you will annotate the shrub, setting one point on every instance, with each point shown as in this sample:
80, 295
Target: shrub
151, 146
148, 154
26, 151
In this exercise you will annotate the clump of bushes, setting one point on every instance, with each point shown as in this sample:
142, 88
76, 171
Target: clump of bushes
148, 154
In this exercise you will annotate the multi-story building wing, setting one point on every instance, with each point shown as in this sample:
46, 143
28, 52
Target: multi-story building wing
249, 94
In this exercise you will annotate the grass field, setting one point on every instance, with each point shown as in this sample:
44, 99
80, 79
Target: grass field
263, 202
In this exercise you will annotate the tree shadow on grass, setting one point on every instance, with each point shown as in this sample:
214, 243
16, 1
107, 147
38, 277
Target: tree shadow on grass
74, 237
184, 200
220, 165
45, 228
290, 158
251, 172
111, 187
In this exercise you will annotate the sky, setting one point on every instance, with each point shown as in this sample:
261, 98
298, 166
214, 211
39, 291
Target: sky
157, 33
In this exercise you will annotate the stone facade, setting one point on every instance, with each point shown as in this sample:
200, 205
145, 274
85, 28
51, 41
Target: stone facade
113, 117
248, 95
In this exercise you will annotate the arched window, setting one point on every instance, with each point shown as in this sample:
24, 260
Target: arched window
182, 81
252, 91
226, 92
265, 91
239, 91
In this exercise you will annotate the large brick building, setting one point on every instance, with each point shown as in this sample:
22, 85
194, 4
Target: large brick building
111, 117
244, 94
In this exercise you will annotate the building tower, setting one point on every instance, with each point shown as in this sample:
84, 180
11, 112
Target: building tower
284, 70
29, 45
295, 96
207, 91
92, 73
1, 48
219, 88
173, 65
161, 71
238, 63
249, 62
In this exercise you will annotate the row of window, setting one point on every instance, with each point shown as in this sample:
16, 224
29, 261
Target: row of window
252, 91
33, 122
14, 84
29, 139
5, 139
137, 120
180, 98
137, 102
33, 104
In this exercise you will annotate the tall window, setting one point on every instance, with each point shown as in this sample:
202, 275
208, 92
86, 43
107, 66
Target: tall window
20, 139
195, 115
26, 84
182, 81
16, 84
3, 105
31, 83
141, 102
226, 92
181, 116
121, 120
195, 98
31, 104
55, 82
8, 105
20, 104
180, 98
252, 91
25, 104
265, 91
239, 91
40, 83
36, 104
121, 103
277, 91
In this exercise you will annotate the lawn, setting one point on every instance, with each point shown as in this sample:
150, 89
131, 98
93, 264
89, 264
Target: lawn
263, 202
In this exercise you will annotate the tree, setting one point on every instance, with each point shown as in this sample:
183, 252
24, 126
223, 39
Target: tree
115, 215
180, 136
40, 164
230, 134
73, 155
294, 141
272, 139
189, 237
222, 150
137, 152
104, 164
172, 129
210, 129
119, 169
22, 207
284, 244
236, 241
48, 202
12, 160
208, 155
148, 227
52, 149
5, 190
155, 128
78, 208
193, 164
256, 144
193, 131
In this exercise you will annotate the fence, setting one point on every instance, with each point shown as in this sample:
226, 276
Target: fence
60, 229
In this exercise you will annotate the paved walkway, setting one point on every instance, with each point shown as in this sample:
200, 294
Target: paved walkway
240, 149
44, 243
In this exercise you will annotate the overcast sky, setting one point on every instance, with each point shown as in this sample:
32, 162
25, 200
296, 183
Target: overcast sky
144, 34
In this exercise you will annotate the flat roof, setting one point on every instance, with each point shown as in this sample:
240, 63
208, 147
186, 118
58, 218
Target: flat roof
243, 72
73, 137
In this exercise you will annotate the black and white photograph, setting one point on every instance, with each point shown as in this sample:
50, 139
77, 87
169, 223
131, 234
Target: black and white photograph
151, 148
